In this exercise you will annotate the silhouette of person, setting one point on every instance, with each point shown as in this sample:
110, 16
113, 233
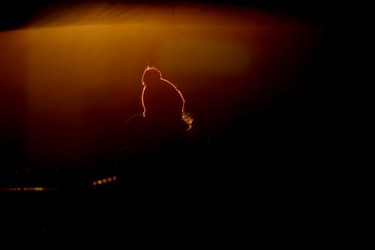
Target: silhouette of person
160, 144
160, 164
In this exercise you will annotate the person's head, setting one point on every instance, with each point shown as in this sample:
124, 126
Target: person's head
151, 74
161, 100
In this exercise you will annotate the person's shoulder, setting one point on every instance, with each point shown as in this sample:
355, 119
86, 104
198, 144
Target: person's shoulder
135, 119
133, 123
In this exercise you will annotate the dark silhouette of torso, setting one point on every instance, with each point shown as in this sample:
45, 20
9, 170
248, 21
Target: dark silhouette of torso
160, 149
160, 165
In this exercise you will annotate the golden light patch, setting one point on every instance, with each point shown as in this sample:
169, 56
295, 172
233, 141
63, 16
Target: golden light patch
195, 54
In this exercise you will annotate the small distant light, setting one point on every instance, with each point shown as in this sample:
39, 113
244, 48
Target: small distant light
27, 189
103, 181
10, 189
35, 189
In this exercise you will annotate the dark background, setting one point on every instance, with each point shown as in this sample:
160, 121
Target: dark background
280, 158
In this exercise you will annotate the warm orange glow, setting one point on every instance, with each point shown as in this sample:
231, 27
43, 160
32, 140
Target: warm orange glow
11, 189
28, 189
78, 67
